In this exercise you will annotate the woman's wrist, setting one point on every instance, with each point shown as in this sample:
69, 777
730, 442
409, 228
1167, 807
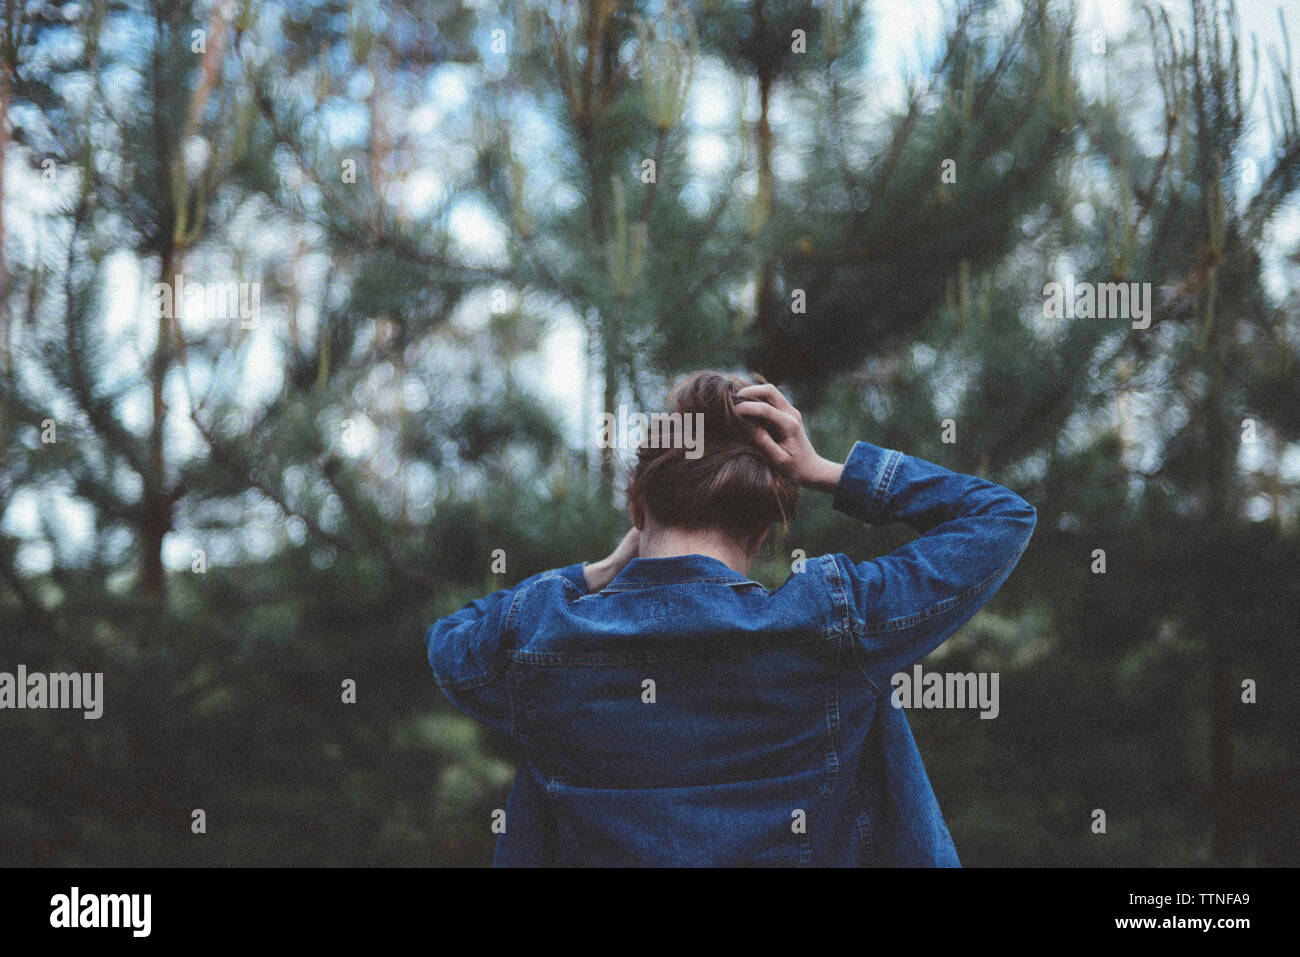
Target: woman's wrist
823, 475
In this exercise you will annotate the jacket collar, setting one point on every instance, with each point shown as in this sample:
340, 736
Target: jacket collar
676, 570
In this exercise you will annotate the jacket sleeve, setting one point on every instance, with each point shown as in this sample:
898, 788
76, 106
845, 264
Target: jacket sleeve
905, 604
468, 650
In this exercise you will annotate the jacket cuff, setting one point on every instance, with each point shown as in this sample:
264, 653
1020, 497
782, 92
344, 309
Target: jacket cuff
864, 484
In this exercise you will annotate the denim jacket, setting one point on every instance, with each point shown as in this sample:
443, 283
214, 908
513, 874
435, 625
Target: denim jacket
686, 715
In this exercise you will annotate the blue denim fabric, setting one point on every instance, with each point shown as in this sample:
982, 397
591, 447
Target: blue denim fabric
769, 706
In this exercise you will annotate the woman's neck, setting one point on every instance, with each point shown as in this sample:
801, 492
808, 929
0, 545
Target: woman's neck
663, 542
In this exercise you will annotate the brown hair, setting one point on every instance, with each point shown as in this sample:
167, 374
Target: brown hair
731, 485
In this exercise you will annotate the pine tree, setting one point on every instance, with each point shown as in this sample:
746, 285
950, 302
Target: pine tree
277, 506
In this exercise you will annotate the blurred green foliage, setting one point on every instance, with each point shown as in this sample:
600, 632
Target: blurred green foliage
349, 467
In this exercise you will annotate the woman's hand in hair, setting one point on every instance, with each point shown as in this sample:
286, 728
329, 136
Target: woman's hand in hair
601, 573
779, 433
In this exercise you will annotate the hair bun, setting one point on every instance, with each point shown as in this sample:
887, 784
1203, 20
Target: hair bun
728, 482
712, 394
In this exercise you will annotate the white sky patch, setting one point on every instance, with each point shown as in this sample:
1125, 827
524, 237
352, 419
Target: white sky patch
710, 153
422, 192
135, 409
478, 232
178, 551
449, 88
72, 519
709, 102
905, 37
122, 278
360, 85
344, 122
34, 557
196, 153
264, 364
561, 372
357, 435
423, 120
474, 309
1104, 14
1280, 237
22, 519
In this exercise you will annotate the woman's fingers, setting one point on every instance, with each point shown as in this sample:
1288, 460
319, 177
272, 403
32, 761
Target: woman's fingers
767, 445
786, 427
769, 394
785, 424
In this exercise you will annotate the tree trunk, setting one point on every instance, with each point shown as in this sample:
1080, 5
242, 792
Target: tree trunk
6, 77
157, 518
